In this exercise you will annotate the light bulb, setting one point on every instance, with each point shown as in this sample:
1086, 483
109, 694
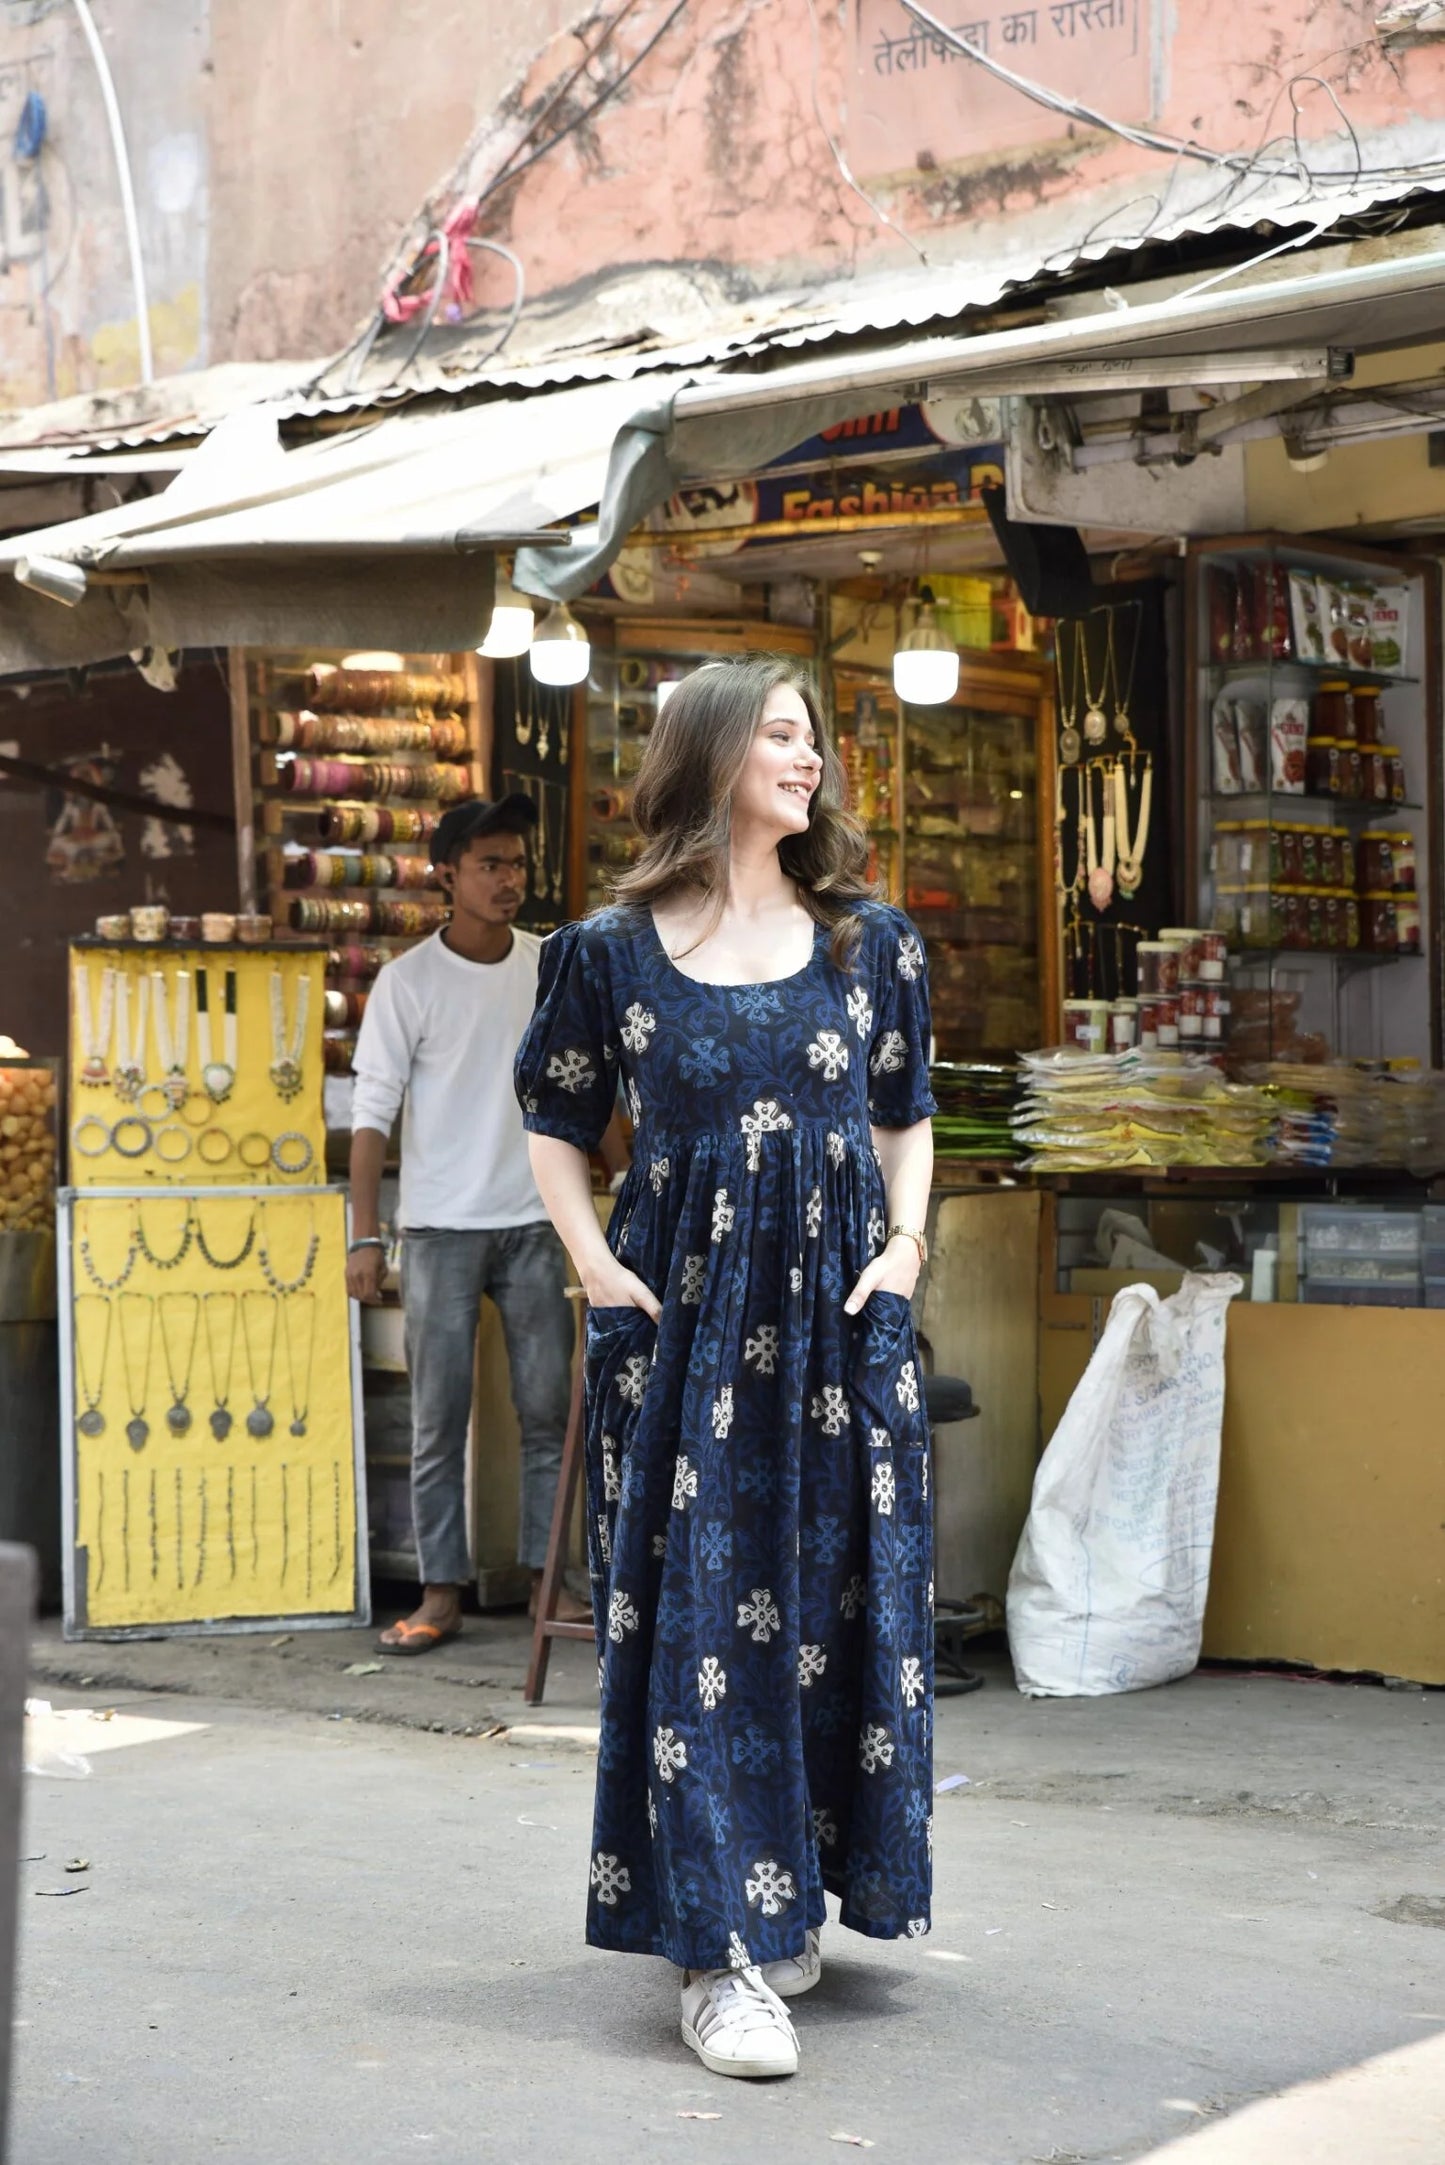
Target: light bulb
510, 631
561, 652
387, 662
665, 688
925, 666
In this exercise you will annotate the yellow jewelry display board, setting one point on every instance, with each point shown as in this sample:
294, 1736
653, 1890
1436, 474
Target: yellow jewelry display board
210, 1407
196, 1065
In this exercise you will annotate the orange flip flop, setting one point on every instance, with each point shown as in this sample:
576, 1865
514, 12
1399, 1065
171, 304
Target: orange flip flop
417, 1638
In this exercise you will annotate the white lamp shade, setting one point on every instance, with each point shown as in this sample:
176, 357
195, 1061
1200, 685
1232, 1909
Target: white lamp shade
510, 631
925, 676
561, 652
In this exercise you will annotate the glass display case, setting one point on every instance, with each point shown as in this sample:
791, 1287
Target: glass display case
1314, 774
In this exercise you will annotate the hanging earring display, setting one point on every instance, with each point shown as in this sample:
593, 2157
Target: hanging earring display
137, 1428
260, 1421
94, 1032
178, 1414
129, 1077
92, 1384
218, 1077
1132, 845
173, 1039
286, 1051
303, 1330
220, 1332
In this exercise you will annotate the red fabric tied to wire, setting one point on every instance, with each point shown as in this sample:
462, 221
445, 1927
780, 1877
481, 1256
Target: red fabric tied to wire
456, 290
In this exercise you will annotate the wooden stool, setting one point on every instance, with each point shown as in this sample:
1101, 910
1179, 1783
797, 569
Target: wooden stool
547, 1626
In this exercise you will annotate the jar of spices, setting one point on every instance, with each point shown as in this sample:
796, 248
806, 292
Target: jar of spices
1191, 1013
1352, 920
1352, 774
1323, 774
1369, 719
1332, 905
1216, 1007
1327, 851
1334, 710
1253, 848
1284, 855
1407, 924
1254, 922
1213, 954
1374, 775
1158, 966
1402, 847
1123, 1025
1086, 1024
1345, 853
1186, 938
1308, 842
1379, 931
1226, 913
1396, 769
1315, 937
1224, 849
1376, 863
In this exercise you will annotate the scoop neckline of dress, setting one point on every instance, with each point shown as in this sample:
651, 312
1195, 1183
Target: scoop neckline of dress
712, 984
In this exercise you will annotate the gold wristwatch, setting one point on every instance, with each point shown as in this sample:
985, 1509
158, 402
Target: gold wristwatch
911, 1232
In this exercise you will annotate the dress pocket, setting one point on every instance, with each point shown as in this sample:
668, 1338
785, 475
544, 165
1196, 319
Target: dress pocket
886, 1377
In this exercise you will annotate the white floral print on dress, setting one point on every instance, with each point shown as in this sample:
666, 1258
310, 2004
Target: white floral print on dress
917, 1927
637, 1027
877, 1230
907, 1387
812, 1661
910, 958
610, 1877
761, 1612
832, 1410
693, 1269
571, 1070
910, 1680
795, 1280
837, 1147
889, 1054
611, 1471
684, 1482
634, 1102
769, 1887
766, 1118
828, 1052
723, 1214
632, 1380
825, 1826
670, 1753
875, 1749
722, 1412
761, 1350
853, 1597
879, 1439
712, 1682
621, 1616
883, 1490
604, 1538
813, 1215
860, 1009
659, 1172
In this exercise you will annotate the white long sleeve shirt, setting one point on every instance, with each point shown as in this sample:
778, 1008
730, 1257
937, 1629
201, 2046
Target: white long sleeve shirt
440, 1035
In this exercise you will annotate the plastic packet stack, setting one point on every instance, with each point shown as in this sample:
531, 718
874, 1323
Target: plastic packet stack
976, 1099
1105, 1112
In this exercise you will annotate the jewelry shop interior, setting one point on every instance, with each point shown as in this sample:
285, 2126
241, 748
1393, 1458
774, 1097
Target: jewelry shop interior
1173, 806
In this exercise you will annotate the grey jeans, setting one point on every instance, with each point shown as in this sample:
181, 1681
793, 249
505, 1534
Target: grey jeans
444, 1275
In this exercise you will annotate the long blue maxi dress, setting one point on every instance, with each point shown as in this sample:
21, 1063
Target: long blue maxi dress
757, 1463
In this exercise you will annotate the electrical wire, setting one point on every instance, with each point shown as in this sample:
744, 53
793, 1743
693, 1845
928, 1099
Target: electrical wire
838, 158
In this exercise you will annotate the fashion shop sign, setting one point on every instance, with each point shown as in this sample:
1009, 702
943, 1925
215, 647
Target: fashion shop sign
918, 102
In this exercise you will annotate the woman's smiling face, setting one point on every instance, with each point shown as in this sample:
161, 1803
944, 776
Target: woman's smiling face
783, 768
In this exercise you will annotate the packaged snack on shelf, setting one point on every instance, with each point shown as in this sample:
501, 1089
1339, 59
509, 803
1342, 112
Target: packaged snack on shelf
1272, 605
1224, 746
1334, 620
1253, 748
1390, 629
1309, 629
1222, 601
1289, 729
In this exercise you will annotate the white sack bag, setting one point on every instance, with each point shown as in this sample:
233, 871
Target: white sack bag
1107, 1590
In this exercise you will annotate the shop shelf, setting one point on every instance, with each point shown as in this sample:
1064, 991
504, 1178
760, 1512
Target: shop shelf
1435, 1293
1354, 958
1359, 1296
1308, 672
1326, 1231
1341, 807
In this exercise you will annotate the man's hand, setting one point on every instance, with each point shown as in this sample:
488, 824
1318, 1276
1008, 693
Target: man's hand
365, 1269
613, 1285
894, 1271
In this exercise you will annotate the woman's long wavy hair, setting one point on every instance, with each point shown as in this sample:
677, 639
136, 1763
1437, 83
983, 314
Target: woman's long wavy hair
682, 804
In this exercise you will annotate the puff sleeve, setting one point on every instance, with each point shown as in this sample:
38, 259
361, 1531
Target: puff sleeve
565, 1072
898, 1050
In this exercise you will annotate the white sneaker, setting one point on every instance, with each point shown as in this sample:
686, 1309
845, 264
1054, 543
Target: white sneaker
737, 2025
799, 1973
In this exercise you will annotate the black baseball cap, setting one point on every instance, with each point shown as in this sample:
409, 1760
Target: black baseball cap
464, 822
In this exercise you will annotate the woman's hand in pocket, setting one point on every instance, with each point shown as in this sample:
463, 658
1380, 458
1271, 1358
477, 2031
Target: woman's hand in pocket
613, 1285
895, 1270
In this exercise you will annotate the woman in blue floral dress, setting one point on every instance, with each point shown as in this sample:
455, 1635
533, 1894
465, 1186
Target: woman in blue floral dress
757, 1450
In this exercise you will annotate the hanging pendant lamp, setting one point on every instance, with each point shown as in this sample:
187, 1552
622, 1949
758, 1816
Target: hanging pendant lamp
925, 665
510, 631
561, 652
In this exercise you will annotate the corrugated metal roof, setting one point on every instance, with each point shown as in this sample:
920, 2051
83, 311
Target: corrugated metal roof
664, 317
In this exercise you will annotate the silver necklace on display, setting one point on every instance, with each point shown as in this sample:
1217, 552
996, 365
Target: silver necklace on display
92, 1421
220, 1385
178, 1413
300, 1403
173, 1041
94, 1035
218, 1077
260, 1421
129, 1078
137, 1428
286, 1070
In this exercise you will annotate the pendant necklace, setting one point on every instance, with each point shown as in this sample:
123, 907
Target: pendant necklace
92, 1421
1121, 705
300, 1403
286, 1052
1096, 722
560, 866
129, 1078
544, 726
1101, 865
225, 1262
1132, 848
178, 1414
217, 1076
260, 1421
94, 1036
564, 727
92, 1272
137, 1428
278, 1284
1070, 745
521, 722
163, 1262
220, 1381
174, 1043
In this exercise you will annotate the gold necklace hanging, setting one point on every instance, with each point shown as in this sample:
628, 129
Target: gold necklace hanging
1132, 846
137, 1428
1070, 742
1096, 721
92, 1421
544, 725
522, 722
178, 1413
1122, 724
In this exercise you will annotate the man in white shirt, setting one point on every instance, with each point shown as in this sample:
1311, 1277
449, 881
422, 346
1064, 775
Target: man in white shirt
438, 1038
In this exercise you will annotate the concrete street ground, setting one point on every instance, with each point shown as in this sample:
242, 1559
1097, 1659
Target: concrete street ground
316, 1931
